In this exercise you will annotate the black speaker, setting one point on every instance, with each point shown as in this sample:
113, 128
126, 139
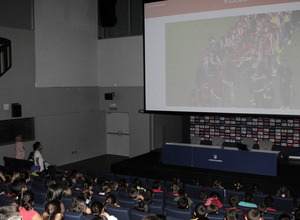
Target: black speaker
16, 110
109, 96
108, 17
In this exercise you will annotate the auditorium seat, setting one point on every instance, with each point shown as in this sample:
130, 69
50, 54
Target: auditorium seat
18, 163
171, 203
28, 164
6, 187
215, 217
5, 200
158, 201
67, 201
150, 182
118, 177
39, 208
240, 194
259, 198
192, 191
168, 196
138, 215
39, 196
178, 213
92, 173
81, 171
142, 179
8, 161
209, 190
168, 185
159, 195
172, 218
107, 176
283, 203
39, 186
126, 203
116, 193
119, 212
157, 209
124, 195
73, 216
275, 214
98, 197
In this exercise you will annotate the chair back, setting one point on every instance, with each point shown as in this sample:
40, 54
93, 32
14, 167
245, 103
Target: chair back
119, 212
178, 213
138, 215
73, 216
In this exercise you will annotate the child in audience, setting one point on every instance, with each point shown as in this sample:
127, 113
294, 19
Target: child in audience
17, 187
182, 194
176, 179
231, 214
35, 170
79, 205
284, 216
283, 192
214, 198
183, 203
114, 185
142, 206
2, 178
86, 193
297, 215
138, 184
212, 209
175, 189
202, 195
194, 182
255, 189
26, 202
48, 181
269, 203
157, 186
54, 192
200, 211
149, 196
218, 184
111, 200
253, 214
262, 208
105, 189
248, 201
135, 195
66, 191
77, 175
54, 210
97, 210
124, 184
233, 202
238, 186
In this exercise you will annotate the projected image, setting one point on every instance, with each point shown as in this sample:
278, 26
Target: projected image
250, 61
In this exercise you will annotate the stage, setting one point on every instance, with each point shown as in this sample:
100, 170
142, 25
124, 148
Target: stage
150, 165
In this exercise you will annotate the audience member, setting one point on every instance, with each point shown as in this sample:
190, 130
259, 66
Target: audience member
175, 189
182, 194
183, 203
114, 185
283, 192
138, 184
202, 195
149, 196
26, 202
142, 206
200, 211
214, 198
255, 189
54, 192
79, 205
269, 203
135, 195
238, 186
111, 200
253, 214
10, 212
19, 148
231, 214
212, 209
97, 210
54, 210
284, 216
105, 189
233, 201
157, 186
248, 201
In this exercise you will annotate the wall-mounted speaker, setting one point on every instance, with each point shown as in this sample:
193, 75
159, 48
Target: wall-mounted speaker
16, 110
109, 96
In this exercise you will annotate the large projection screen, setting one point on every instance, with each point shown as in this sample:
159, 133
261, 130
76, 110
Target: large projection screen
222, 56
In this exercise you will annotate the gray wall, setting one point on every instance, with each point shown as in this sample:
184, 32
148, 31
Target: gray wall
61, 83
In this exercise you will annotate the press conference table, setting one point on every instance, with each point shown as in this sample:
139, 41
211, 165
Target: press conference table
214, 157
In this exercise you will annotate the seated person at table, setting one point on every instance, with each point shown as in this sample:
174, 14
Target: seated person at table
157, 186
202, 195
175, 189
253, 214
233, 202
248, 201
182, 194
212, 209
215, 198
134, 194
200, 211
269, 203
183, 203
231, 214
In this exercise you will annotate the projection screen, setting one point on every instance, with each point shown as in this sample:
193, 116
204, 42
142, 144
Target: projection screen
222, 56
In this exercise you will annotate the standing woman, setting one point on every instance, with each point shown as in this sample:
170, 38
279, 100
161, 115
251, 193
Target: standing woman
38, 156
19, 148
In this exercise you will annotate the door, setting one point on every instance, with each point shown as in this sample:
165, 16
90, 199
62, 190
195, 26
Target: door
117, 133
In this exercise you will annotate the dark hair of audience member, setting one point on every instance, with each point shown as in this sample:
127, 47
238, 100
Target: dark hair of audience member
99, 181
79, 205
156, 184
31, 156
87, 185
200, 211
253, 214
24, 174
114, 184
233, 201
48, 181
218, 184
66, 191
17, 185
9, 211
123, 182
262, 208
54, 192
183, 203
194, 182
44, 173
99, 217
238, 186
176, 179
149, 196
86, 194
202, 195
212, 209
297, 215
175, 187
232, 214
96, 208
284, 216
8, 176
283, 192
255, 189
111, 200
137, 183
248, 197
142, 206
269, 201
26, 200
54, 210
161, 217
216, 195
69, 183
181, 192
150, 217
133, 193
105, 188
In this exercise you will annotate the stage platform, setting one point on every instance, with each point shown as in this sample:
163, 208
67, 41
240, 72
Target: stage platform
150, 165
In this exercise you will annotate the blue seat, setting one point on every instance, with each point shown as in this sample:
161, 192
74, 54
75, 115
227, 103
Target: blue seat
123, 195
119, 212
18, 163
39, 208
170, 203
8, 161
39, 196
5, 200
126, 203
283, 203
116, 193
118, 177
168, 196
158, 195
215, 217
168, 185
265, 217
275, 214
150, 182
39, 186
107, 176
172, 218
178, 213
259, 198
142, 179
209, 190
67, 201
138, 215
158, 201
157, 209
192, 191
98, 197
6, 187
75, 192
73, 216
92, 173
240, 194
